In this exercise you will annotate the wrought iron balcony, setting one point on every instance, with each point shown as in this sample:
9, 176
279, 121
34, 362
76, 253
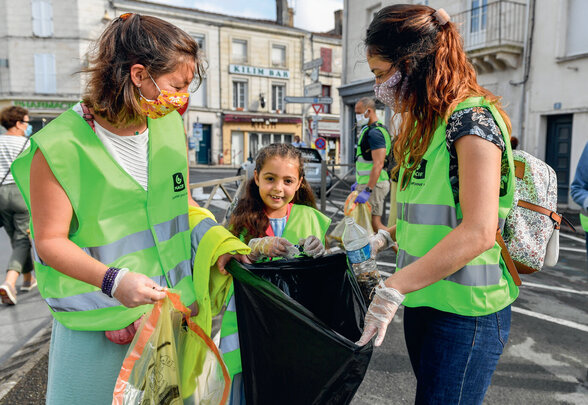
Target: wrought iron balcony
493, 33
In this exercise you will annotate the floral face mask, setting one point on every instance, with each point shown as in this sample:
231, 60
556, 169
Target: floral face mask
166, 102
386, 92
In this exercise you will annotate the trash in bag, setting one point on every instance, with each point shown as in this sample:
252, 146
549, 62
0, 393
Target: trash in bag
298, 321
361, 213
168, 345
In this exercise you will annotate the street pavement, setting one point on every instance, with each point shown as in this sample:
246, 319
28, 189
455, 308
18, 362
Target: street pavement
544, 362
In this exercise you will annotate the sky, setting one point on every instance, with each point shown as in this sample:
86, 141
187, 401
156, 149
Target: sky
312, 15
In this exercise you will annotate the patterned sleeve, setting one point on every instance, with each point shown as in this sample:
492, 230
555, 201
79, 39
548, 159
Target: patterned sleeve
473, 121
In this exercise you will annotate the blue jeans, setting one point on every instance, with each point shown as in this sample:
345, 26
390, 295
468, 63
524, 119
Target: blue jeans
453, 357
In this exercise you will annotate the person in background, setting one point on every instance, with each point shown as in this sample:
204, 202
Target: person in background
298, 143
106, 183
456, 181
14, 214
514, 142
277, 212
374, 144
579, 190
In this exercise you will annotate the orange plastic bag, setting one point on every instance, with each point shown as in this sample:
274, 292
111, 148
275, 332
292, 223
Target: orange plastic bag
162, 354
361, 213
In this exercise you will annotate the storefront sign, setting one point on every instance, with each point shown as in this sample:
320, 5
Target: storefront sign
259, 71
33, 105
260, 119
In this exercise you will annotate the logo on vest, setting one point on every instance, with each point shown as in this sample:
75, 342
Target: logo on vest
419, 173
178, 179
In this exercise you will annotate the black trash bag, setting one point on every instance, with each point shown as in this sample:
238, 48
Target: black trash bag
297, 341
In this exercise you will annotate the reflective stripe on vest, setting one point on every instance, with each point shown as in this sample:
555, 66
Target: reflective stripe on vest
427, 212
363, 167
118, 222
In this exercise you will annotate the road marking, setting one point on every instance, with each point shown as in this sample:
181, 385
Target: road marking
572, 237
570, 324
548, 287
571, 249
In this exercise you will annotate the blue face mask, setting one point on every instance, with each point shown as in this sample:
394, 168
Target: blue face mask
29, 130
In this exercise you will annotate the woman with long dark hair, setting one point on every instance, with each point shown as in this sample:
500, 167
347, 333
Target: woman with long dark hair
455, 188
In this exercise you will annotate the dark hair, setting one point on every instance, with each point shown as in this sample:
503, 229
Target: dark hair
514, 142
435, 68
11, 115
249, 215
128, 40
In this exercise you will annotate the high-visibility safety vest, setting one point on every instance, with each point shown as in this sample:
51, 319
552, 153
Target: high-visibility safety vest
427, 212
584, 222
116, 221
363, 167
303, 222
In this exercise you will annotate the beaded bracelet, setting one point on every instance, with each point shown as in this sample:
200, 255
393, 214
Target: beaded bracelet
108, 280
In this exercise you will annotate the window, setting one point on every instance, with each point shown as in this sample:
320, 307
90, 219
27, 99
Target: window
239, 51
278, 55
42, 18
576, 43
239, 95
327, 55
478, 17
201, 40
326, 92
198, 98
278, 91
45, 81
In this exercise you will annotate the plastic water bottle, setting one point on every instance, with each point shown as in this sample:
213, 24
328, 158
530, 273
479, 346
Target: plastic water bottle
356, 242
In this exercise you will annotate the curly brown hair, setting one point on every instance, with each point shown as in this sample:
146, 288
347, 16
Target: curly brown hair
134, 39
249, 219
11, 115
434, 65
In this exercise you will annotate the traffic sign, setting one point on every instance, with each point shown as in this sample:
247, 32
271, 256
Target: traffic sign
312, 64
310, 100
318, 108
313, 90
320, 143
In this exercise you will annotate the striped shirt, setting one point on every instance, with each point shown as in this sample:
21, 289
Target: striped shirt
10, 147
130, 152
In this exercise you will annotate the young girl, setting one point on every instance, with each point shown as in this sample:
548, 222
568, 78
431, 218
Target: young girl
277, 212
455, 188
106, 186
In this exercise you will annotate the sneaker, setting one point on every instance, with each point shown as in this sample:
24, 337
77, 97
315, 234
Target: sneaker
8, 294
28, 285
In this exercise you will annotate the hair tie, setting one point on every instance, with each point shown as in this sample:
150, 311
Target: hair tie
441, 16
124, 16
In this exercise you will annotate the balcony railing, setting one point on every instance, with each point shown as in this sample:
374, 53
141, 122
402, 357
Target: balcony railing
493, 34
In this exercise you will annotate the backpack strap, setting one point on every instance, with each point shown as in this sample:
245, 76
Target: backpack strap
507, 259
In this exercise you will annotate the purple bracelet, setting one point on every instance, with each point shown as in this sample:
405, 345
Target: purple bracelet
108, 280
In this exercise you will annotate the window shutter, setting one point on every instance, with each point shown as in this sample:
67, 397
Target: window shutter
37, 20
47, 18
45, 81
326, 54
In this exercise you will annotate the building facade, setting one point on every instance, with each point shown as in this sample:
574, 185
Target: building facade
252, 65
532, 53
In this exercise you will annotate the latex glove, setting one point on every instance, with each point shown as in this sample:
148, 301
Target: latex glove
271, 246
353, 186
380, 313
137, 289
312, 246
381, 241
123, 336
363, 197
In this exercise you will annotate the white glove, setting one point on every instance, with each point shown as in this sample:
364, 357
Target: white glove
312, 246
381, 241
380, 313
271, 246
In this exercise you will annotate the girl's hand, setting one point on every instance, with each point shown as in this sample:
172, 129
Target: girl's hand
312, 246
224, 259
269, 246
137, 289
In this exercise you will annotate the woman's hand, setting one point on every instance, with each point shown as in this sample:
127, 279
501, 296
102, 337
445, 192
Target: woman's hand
380, 314
124, 336
269, 246
224, 259
137, 289
312, 246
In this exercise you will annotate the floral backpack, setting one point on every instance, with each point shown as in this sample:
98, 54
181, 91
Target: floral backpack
530, 238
